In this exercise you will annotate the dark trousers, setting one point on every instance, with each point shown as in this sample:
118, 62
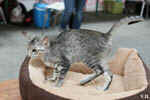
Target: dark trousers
72, 14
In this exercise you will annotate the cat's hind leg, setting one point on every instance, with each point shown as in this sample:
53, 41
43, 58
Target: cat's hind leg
99, 69
108, 76
108, 79
62, 68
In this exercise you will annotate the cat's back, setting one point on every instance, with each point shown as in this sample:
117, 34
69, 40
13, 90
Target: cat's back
83, 38
82, 34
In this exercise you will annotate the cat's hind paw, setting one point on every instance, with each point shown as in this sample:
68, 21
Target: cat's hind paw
101, 88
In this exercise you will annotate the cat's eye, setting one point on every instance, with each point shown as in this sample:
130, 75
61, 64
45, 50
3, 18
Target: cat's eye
34, 50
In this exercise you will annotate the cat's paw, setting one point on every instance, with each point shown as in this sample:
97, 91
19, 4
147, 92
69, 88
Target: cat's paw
59, 83
101, 88
52, 78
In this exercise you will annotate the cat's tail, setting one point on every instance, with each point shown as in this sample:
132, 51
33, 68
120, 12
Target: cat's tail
125, 21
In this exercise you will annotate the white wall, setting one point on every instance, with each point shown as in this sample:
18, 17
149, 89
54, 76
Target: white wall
28, 3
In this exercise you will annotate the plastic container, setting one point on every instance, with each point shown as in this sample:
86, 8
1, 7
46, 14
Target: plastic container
113, 7
108, 5
41, 15
117, 8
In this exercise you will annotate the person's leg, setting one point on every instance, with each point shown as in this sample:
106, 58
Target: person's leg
78, 14
69, 9
71, 21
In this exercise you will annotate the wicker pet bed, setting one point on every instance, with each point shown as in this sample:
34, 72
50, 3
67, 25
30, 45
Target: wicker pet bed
131, 81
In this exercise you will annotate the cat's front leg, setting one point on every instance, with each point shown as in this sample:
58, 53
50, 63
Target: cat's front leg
60, 82
63, 69
55, 74
53, 77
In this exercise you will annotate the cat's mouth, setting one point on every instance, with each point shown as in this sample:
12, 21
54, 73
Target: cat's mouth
35, 54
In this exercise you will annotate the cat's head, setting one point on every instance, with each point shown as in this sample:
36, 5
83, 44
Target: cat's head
37, 45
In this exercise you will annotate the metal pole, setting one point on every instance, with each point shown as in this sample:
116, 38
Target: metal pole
3, 16
97, 7
142, 9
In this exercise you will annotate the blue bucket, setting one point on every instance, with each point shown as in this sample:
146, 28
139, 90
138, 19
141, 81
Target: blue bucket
41, 15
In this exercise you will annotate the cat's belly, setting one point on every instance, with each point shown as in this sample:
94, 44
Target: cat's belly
83, 55
75, 55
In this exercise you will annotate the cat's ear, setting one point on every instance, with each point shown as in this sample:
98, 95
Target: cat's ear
45, 41
25, 34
